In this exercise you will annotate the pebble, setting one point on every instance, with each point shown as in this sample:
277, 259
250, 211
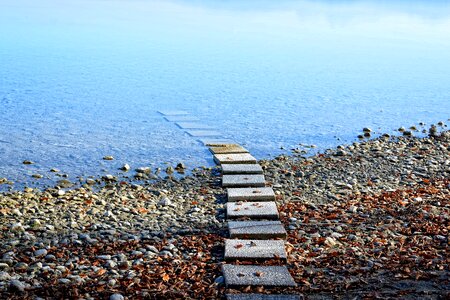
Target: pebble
125, 167
40, 252
116, 297
17, 285
108, 157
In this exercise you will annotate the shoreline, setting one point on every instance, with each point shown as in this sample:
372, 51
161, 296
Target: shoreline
83, 239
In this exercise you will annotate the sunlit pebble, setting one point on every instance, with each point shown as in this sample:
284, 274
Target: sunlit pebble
401, 129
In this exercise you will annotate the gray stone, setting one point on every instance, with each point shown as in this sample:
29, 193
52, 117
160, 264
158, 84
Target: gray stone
173, 112
249, 180
216, 142
254, 249
40, 252
241, 169
269, 276
17, 285
181, 118
225, 149
259, 230
116, 297
252, 210
262, 297
250, 194
197, 133
234, 158
193, 125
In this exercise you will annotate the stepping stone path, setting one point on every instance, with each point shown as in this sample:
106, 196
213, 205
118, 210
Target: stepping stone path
257, 234
248, 198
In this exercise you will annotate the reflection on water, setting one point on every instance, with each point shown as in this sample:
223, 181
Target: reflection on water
83, 79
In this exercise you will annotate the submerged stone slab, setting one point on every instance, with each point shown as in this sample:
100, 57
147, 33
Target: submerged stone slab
254, 249
196, 133
243, 180
225, 149
216, 142
262, 297
250, 194
269, 276
173, 112
234, 158
193, 125
181, 118
252, 210
241, 169
258, 230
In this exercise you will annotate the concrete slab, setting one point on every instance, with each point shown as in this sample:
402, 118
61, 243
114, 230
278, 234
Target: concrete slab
249, 180
250, 194
262, 297
197, 133
234, 158
241, 169
181, 118
173, 112
193, 125
216, 142
268, 276
225, 149
252, 210
259, 230
254, 249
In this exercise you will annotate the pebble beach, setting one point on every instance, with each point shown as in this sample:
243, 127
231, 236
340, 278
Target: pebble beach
365, 220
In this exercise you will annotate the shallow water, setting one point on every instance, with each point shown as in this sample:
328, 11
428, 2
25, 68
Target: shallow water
83, 79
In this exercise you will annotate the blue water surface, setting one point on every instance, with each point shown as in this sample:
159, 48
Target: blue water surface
81, 79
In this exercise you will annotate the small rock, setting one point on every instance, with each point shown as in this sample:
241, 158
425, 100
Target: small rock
28, 162
17, 285
17, 227
64, 183
37, 176
54, 170
125, 167
169, 170
219, 280
108, 157
366, 129
4, 276
40, 252
164, 202
116, 297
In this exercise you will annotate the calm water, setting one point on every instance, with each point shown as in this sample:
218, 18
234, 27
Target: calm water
83, 79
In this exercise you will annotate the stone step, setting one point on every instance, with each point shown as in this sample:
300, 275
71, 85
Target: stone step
234, 158
252, 210
193, 125
173, 112
254, 249
259, 230
225, 149
249, 180
181, 118
262, 297
241, 169
210, 142
250, 194
249, 275
197, 133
